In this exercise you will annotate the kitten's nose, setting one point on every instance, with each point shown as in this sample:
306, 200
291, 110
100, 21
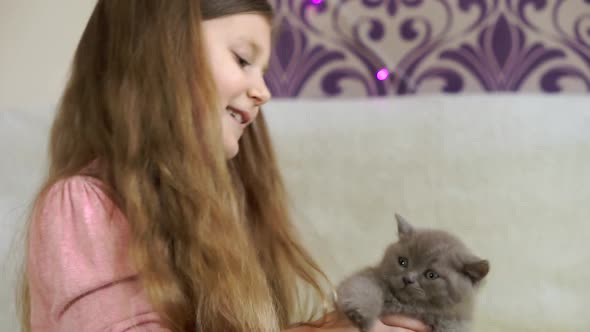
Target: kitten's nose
407, 280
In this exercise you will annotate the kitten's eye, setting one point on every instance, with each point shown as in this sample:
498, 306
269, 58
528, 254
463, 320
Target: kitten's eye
431, 275
403, 261
241, 61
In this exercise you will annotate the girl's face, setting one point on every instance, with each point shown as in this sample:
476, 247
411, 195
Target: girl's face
238, 47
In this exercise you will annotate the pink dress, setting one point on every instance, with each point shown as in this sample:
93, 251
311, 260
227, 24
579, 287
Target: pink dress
80, 276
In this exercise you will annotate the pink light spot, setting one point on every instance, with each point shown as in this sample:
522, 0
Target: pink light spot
317, 2
382, 74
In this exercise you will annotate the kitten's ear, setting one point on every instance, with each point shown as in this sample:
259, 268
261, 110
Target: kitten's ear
404, 229
476, 269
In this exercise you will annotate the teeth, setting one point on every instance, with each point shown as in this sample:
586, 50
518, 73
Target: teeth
235, 115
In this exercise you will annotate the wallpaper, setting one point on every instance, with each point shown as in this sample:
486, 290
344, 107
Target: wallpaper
360, 48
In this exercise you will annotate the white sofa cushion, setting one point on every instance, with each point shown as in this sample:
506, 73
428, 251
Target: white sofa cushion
509, 174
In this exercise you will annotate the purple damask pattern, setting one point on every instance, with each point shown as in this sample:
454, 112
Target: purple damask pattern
335, 47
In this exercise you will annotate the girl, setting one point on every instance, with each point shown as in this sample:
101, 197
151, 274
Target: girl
150, 219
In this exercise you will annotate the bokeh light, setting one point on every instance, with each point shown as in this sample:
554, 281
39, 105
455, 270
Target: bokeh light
382, 74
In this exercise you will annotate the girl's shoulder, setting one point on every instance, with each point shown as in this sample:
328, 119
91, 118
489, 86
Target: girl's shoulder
80, 196
78, 263
77, 211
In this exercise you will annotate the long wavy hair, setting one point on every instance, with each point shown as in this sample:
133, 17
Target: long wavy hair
212, 240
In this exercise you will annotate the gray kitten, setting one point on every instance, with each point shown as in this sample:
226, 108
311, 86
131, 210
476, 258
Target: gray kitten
428, 274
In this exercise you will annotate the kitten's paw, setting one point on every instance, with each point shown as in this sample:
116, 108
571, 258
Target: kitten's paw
355, 317
362, 322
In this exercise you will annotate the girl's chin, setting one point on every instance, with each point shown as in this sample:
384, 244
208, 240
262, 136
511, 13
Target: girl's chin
231, 150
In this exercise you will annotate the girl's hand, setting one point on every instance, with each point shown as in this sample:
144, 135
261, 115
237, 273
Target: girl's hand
395, 323
398, 323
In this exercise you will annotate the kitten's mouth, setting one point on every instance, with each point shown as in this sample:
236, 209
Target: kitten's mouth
397, 293
407, 293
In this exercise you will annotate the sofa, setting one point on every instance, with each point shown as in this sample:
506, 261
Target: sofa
509, 174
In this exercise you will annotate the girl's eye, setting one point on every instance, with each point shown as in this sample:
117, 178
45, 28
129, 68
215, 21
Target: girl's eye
431, 275
403, 261
241, 61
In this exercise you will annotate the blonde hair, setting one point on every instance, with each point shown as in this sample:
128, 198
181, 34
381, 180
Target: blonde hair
213, 240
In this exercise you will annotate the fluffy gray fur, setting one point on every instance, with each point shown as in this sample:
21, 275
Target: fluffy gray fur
428, 274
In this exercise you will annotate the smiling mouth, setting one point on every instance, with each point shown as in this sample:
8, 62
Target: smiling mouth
240, 116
